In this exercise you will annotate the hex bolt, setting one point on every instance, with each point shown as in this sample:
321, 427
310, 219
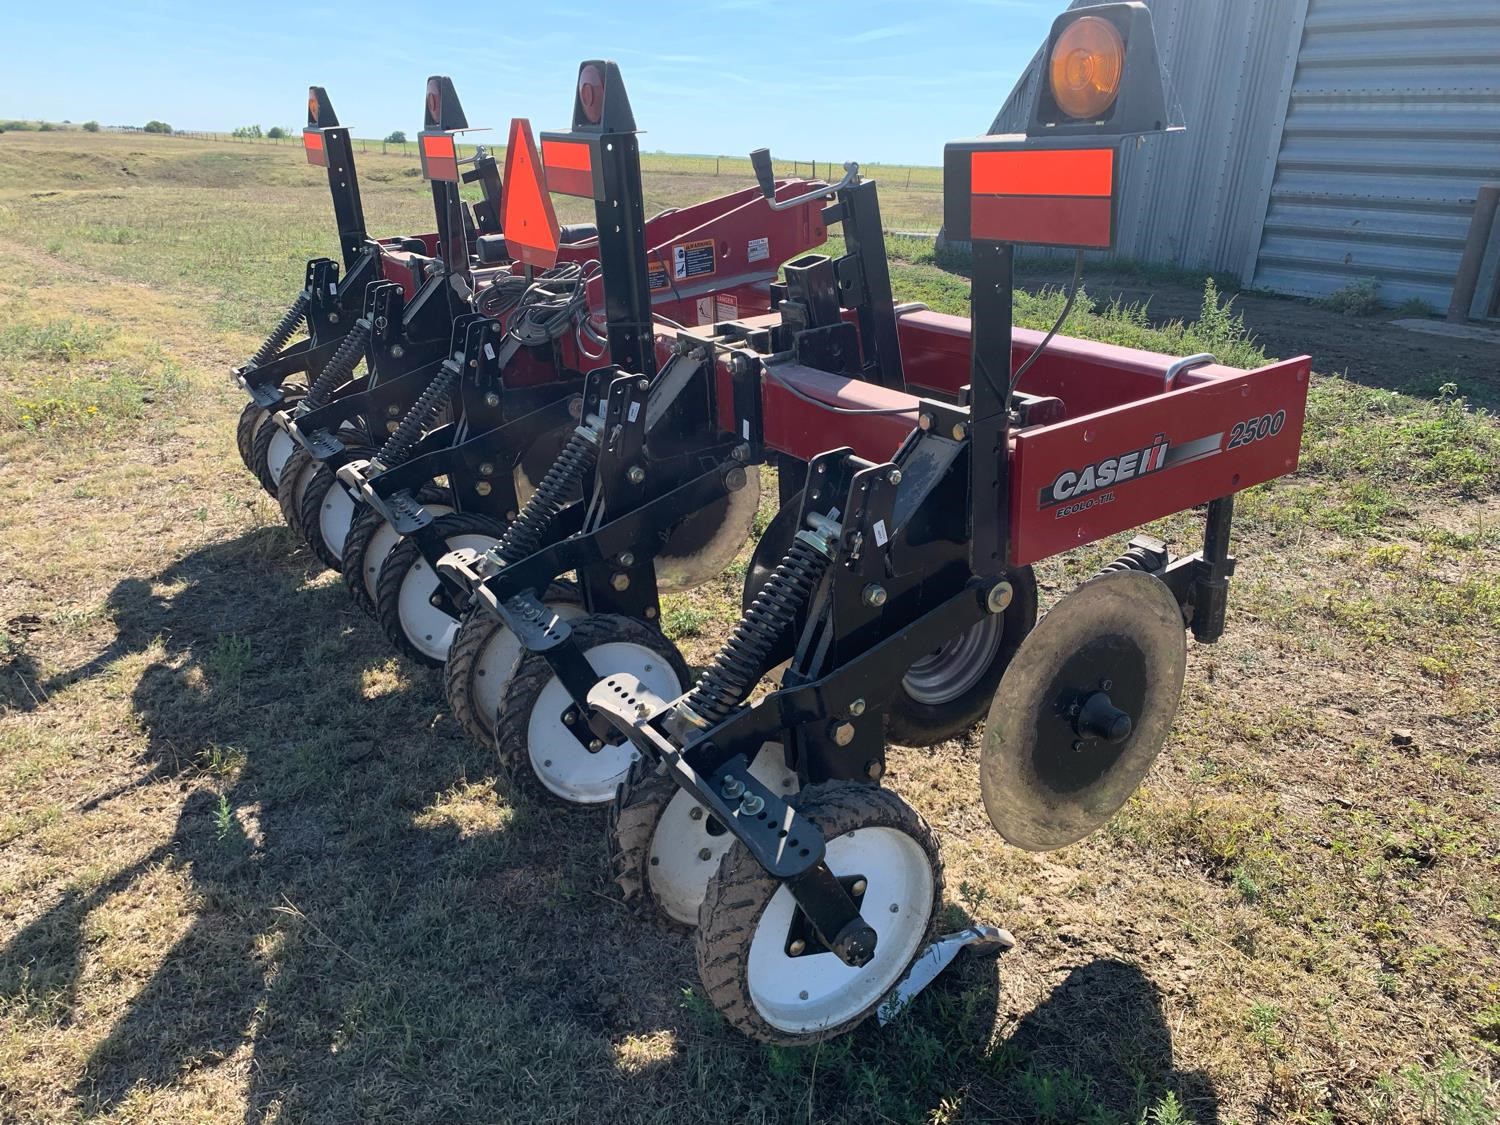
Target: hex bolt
473, 363
874, 770
393, 411
859, 887
894, 476
484, 487
705, 854
620, 582
924, 421
740, 453
487, 469
570, 717
999, 598
874, 595
843, 733
857, 708
627, 558
732, 789
492, 399
635, 474
397, 351
797, 947
751, 804
595, 745
643, 384
959, 430
392, 426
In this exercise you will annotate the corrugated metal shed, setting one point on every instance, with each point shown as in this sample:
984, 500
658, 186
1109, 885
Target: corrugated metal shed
1328, 141
1392, 124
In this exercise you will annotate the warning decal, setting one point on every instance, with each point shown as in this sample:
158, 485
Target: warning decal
726, 307
705, 310
758, 250
656, 276
693, 259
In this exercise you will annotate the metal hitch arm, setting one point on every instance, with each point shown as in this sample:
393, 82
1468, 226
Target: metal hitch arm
760, 160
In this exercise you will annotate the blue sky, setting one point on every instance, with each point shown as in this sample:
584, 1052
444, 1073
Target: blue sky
871, 80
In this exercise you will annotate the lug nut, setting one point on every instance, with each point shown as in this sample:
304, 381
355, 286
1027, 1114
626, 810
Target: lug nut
874, 770
797, 947
857, 708
620, 582
874, 595
752, 804
894, 476
843, 734
999, 598
635, 474
732, 789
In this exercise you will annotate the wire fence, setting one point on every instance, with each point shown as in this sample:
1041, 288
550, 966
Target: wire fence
915, 177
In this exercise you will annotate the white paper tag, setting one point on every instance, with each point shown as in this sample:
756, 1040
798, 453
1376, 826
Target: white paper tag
880, 536
758, 249
634, 412
745, 428
489, 351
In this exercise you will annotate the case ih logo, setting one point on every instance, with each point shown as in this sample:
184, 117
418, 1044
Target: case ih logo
1072, 484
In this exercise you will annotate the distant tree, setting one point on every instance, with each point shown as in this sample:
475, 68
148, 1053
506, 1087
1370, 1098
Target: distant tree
157, 127
396, 138
45, 127
247, 133
276, 133
91, 126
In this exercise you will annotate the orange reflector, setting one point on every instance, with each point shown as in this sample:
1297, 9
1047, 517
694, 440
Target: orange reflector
1079, 171
570, 167
526, 214
312, 145
1088, 60
439, 156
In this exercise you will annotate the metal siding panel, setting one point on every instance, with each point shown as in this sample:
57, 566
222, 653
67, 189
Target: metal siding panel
1393, 123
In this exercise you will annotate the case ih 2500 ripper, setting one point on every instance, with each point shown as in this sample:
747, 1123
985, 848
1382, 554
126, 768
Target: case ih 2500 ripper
909, 540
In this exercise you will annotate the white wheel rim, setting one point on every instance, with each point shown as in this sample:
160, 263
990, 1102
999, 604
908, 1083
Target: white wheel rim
497, 661
562, 763
685, 854
278, 453
382, 543
427, 627
817, 991
335, 517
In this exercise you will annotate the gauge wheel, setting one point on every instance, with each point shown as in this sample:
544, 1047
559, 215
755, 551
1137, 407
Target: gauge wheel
371, 538
328, 510
746, 926
291, 487
482, 657
407, 585
532, 734
664, 847
252, 418
273, 448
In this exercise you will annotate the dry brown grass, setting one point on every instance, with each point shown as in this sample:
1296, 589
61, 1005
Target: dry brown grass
249, 868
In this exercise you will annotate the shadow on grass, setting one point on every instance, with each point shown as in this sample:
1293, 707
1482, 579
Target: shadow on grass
374, 936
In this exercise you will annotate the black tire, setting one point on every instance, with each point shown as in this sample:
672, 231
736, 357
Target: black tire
533, 674
299, 462
361, 531
909, 722
260, 446
633, 816
475, 632
252, 418
408, 554
323, 481
739, 894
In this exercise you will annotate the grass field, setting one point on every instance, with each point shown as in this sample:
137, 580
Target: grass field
251, 870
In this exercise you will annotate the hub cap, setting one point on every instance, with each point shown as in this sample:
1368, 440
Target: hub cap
428, 628
334, 518
817, 990
686, 848
278, 452
956, 665
565, 765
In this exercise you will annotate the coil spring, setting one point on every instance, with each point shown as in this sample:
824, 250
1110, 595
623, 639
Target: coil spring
399, 445
282, 332
739, 665
338, 369
524, 536
1137, 557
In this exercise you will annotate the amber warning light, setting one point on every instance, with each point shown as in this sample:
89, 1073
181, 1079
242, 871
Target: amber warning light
1087, 63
